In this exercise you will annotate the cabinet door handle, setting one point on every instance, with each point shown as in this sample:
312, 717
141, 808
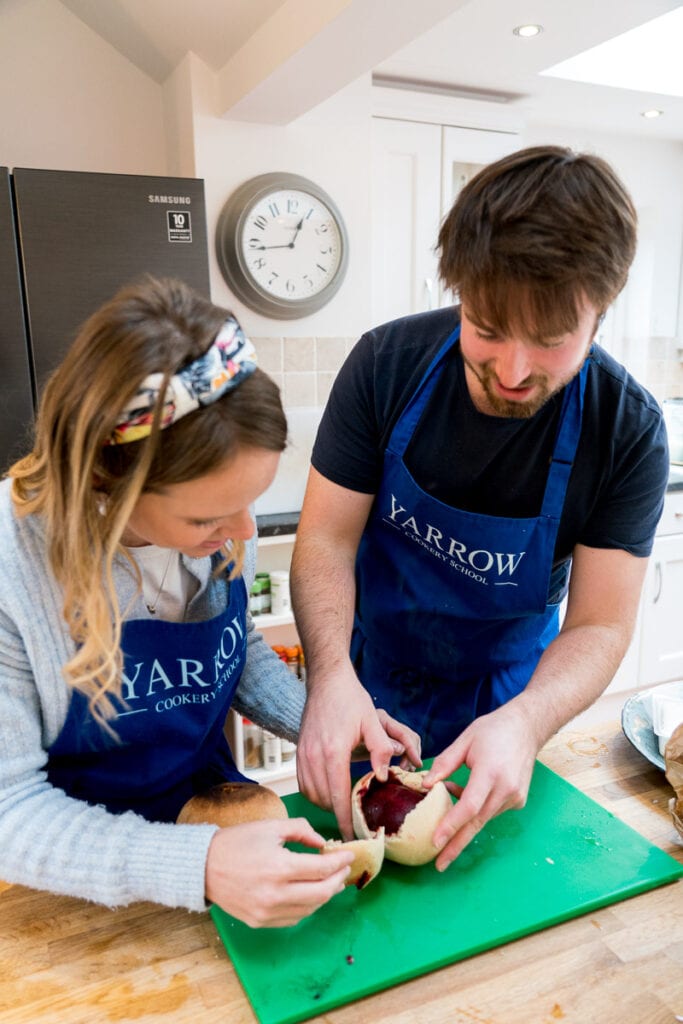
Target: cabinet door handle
659, 581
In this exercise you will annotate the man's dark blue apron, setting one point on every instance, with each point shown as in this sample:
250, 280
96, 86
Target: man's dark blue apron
179, 682
453, 611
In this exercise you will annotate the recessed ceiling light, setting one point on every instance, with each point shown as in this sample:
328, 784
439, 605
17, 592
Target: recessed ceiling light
651, 113
528, 31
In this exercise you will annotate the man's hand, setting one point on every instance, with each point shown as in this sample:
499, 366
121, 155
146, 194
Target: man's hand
500, 750
405, 741
339, 719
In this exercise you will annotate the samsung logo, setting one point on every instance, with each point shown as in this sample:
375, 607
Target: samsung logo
177, 200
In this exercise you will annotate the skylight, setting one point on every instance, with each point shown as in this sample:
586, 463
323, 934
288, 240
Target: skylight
647, 59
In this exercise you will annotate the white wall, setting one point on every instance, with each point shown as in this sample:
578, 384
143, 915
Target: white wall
69, 101
331, 146
648, 308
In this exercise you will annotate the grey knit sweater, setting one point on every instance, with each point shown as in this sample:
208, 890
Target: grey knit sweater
49, 840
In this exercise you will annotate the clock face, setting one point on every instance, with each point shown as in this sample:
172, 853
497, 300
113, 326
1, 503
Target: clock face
282, 245
290, 244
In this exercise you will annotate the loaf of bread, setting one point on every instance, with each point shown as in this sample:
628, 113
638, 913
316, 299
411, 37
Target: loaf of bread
232, 803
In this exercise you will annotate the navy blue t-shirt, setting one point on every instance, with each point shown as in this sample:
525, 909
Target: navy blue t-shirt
494, 465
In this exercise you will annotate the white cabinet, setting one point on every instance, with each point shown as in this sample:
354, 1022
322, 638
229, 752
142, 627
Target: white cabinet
661, 635
406, 211
464, 151
418, 170
656, 651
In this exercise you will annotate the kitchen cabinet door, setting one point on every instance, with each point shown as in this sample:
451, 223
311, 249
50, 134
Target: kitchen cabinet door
465, 151
406, 205
418, 169
661, 638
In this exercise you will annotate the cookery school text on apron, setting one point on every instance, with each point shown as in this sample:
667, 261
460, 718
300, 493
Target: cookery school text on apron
452, 606
179, 682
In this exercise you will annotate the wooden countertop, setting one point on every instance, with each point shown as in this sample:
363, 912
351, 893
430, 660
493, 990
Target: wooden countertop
64, 960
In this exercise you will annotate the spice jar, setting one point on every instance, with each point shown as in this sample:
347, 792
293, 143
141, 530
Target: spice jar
280, 601
288, 749
252, 743
264, 579
272, 751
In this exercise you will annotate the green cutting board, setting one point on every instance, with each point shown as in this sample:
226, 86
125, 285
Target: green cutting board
561, 856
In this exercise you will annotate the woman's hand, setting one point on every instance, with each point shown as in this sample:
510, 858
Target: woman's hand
250, 874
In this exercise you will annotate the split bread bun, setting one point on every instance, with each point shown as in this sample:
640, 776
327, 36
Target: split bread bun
409, 819
232, 803
368, 857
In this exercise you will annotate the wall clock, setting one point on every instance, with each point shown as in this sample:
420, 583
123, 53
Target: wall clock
282, 245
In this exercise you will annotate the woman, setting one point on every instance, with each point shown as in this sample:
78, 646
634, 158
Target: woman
126, 552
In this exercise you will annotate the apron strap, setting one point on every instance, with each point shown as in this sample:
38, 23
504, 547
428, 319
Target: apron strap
409, 418
566, 443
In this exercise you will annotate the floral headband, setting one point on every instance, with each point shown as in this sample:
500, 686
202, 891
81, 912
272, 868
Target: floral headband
229, 361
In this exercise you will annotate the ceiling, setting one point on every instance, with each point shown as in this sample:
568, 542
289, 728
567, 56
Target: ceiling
467, 44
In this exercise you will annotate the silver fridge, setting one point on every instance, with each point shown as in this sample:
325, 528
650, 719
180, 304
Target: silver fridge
68, 241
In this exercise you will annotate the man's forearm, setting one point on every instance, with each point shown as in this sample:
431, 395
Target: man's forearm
323, 598
572, 673
580, 662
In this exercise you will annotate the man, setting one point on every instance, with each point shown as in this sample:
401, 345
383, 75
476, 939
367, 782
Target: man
467, 458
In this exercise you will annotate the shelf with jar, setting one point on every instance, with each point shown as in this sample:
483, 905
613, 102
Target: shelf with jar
270, 603
259, 754
269, 600
267, 760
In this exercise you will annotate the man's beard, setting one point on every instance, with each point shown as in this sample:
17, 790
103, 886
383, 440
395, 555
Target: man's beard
505, 407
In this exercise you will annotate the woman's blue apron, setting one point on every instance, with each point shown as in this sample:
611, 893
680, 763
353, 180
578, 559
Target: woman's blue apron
178, 684
453, 608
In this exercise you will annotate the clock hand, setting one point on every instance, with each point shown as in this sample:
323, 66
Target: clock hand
289, 245
296, 232
259, 248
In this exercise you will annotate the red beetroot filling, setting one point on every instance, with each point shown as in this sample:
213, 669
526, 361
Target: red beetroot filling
388, 803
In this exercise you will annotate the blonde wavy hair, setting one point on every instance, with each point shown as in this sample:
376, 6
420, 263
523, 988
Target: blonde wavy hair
85, 490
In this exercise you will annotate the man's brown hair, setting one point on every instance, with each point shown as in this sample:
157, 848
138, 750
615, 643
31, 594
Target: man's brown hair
535, 234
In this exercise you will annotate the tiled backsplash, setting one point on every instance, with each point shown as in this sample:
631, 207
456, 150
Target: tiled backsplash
303, 368
664, 373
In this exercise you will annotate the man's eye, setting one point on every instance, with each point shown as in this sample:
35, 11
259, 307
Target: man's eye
203, 522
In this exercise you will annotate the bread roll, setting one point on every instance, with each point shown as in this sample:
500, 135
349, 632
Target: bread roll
368, 857
232, 803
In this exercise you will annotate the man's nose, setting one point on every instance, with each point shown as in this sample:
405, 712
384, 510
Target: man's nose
513, 364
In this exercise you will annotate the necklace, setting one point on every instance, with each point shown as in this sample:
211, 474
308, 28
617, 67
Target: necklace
152, 607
